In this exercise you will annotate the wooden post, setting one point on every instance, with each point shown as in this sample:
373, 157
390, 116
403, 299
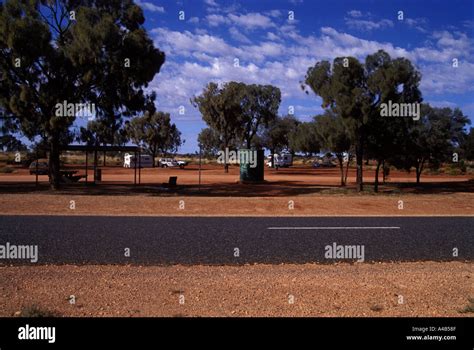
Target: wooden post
135, 166
37, 166
139, 167
87, 164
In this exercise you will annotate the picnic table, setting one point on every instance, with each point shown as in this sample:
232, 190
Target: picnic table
69, 176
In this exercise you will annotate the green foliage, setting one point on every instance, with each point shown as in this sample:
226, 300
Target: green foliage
467, 145
334, 133
36, 311
209, 142
155, 132
259, 108
305, 139
221, 109
6, 170
355, 90
236, 111
276, 137
430, 140
79, 60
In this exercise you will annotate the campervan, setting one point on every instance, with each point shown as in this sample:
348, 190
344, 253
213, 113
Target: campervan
145, 161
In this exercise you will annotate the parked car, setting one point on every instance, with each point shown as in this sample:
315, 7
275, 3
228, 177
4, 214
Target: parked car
171, 163
283, 160
182, 163
40, 167
168, 163
324, 163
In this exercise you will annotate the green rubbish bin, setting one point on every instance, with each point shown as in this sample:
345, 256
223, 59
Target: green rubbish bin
252, 164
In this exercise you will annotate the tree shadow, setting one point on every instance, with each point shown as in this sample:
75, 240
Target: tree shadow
264, 189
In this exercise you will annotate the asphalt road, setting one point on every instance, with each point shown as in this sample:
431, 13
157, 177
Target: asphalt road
213, 240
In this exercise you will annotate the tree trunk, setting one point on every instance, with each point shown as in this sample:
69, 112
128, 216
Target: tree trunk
226, 167
54, 163
153, 154
418, 168
376, 183
341, 169
383, 171
360, 161
104, 158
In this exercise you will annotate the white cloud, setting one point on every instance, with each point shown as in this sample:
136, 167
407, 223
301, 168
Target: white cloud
236, 35
274, 13
272, 37
468, 24
149, 6
251, 20
367, 25
247, 21
442, 78
264, 50
417, 23
355, 21
447, 39
216, 20
282, 57
194, 20
184, 43
212, 3
441, 104
354, 13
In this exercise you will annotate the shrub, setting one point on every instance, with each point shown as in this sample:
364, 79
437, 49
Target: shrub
35, 311
6, 170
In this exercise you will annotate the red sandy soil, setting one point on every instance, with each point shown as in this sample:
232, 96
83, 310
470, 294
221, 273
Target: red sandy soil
212, 174
314, 192
427, 288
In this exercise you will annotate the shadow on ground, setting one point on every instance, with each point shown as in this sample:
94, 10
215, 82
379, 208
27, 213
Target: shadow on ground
265, 189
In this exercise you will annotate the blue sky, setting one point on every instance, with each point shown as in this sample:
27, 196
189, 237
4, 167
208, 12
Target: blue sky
273, 49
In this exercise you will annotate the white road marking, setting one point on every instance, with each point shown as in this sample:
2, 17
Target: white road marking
337, 228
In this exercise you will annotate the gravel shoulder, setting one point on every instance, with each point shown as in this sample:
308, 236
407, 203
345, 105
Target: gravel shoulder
456, 204
425, 289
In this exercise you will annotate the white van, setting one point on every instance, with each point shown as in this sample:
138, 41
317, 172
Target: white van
146, 161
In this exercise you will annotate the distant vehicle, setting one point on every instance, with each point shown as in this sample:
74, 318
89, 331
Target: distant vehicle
145, 161
40, 167
324, 163
168, 163
182, 163
283, 160
172, 163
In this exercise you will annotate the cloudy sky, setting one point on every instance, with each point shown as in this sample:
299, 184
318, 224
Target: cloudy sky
260, 42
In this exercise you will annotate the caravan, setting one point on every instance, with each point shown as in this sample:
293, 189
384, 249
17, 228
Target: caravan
146, 161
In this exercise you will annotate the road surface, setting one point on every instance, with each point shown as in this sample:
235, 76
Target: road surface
235, 240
